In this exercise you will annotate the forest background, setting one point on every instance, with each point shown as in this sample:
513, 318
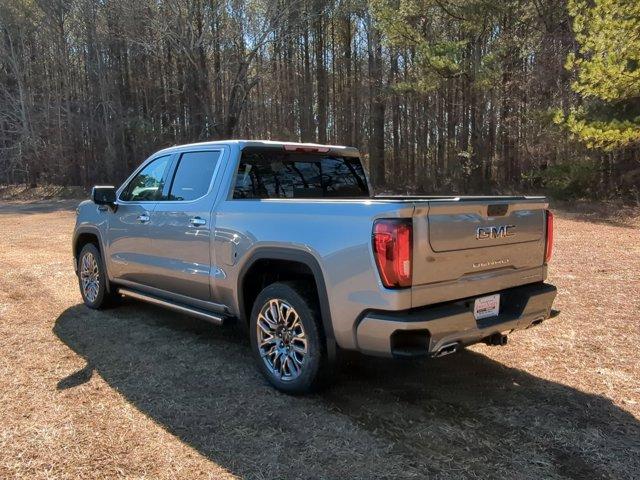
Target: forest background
441, 96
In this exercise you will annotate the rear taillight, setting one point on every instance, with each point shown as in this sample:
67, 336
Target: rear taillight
393, 250
548, 252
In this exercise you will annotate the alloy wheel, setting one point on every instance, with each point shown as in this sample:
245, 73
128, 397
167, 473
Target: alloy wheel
90, 276
281, 339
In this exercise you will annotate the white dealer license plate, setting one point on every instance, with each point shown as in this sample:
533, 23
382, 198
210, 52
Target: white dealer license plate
485, 307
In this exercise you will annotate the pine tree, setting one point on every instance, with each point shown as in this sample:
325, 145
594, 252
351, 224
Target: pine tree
607, 69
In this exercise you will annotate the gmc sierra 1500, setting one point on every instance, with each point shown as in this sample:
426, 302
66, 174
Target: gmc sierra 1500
288, 239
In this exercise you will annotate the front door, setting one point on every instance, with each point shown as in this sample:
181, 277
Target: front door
129, 228
183, 225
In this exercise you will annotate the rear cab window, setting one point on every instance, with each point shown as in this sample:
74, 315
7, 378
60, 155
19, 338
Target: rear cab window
271, 172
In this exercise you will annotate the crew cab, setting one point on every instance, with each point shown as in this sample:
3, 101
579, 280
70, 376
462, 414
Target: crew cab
288, 240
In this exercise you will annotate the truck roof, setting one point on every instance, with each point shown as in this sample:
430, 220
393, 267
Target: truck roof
243, 143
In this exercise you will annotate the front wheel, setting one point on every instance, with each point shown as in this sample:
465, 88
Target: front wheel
93, 279
286, 337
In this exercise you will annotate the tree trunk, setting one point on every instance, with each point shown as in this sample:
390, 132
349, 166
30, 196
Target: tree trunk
376, 129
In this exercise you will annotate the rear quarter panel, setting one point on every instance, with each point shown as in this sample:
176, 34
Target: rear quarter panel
336, 233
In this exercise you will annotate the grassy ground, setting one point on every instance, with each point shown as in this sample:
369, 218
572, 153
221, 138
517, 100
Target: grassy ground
139, 392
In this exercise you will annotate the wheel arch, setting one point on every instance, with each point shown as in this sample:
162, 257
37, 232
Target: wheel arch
296, 256
81, 237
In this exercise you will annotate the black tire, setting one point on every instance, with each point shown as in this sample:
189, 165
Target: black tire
100, 298
314, 362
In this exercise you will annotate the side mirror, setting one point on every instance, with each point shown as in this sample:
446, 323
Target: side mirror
104, 195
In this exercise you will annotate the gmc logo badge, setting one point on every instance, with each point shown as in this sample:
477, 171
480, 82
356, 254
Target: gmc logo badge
497, 231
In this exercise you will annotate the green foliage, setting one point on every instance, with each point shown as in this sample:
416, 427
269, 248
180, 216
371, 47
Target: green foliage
603, 134
490, 71
404, 24
567, 181
608, 32
441, 35
607, 69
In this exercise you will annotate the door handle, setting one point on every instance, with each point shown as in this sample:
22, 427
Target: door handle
143, 217
197, 222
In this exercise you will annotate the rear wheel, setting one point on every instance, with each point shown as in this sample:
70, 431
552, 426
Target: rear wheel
286, 337
93, 279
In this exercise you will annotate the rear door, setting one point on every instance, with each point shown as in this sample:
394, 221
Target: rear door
183, 222
465, 247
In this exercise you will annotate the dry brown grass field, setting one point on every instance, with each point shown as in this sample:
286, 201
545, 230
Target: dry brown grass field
139, 392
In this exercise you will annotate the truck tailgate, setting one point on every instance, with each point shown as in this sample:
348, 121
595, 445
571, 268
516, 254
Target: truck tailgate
466, 247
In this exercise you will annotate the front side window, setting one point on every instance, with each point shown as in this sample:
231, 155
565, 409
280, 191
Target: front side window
147, 185
270, 173
193, 175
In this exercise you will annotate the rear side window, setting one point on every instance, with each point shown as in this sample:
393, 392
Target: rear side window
147, 185
193, 175
273, 173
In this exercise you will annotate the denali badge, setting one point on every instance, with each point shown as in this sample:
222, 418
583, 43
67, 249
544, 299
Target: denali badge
491, 263
498, 231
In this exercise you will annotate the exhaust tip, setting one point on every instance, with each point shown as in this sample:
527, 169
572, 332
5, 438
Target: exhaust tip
447, 349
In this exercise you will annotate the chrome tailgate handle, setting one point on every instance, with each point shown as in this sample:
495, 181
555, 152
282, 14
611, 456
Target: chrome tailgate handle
197, 222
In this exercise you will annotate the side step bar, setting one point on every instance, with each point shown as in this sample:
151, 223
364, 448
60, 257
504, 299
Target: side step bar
195, 312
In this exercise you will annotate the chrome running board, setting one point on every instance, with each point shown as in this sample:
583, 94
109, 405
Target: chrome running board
195, 312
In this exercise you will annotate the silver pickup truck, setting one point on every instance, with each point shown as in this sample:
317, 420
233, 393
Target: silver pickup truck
287, 240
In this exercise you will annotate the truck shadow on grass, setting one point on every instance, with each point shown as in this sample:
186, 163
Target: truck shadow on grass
462, 416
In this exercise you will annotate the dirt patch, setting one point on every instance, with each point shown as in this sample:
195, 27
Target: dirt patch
140, 392
610, 212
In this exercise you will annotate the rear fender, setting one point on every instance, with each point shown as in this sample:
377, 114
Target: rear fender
306, 258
